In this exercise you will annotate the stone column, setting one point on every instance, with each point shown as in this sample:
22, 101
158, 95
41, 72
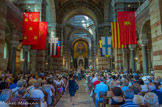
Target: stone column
125, 59
33, 61
111, 62
13, 57
132, 47
26, 49
144, 57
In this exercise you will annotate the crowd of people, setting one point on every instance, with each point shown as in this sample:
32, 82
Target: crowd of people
15, 90
126, 89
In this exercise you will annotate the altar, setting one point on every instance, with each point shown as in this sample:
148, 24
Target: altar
81, 62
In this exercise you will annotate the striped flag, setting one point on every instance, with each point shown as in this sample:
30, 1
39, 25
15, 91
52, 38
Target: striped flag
116, 38
52, 46
106, 45
100, 44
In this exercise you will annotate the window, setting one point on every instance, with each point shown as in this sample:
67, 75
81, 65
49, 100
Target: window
5, 51
21, 55
28, 56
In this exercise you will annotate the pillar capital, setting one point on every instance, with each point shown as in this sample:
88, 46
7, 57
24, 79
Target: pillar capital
143, 42
132, 46
26, 48
14, 43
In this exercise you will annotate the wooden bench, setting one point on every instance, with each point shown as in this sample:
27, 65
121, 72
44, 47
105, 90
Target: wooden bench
31, 100
101, 95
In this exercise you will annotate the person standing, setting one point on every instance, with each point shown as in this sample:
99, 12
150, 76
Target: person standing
71, 83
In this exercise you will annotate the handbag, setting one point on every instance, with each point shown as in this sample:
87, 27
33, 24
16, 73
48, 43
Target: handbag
76, 87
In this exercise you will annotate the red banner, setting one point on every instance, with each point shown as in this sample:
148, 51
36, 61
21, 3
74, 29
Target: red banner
42, 36
127, 27
30, 28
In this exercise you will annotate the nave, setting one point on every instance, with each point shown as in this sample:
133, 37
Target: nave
82, 97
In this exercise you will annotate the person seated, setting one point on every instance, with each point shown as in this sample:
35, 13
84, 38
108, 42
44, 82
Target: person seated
143, 86
111, 86
47, 89
37, 93
18, 100
30, 88
97, 81
152, 88
151, 100
128, 96
138, 99
20, 84
101, 87
117, 99
94, 79
5, 97
125, 85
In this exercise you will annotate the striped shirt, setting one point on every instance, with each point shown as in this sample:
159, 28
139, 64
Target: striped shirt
129, 104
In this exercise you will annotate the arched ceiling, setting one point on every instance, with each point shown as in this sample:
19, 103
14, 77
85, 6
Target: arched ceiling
69, 8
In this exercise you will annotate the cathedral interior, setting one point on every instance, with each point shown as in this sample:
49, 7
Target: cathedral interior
79, 25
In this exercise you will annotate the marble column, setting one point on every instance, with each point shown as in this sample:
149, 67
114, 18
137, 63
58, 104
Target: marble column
132, 47
144, 57
13, 57
33, 61
26, 49
125, 59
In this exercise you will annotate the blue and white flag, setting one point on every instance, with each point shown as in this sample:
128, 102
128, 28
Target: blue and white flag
106, 45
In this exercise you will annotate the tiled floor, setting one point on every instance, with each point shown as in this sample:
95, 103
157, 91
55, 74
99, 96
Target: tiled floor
82, 98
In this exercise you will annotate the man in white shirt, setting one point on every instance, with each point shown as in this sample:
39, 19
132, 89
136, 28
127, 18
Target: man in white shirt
37, 93
19, 85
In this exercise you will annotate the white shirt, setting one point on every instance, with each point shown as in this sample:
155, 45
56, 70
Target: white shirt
138, 99
15, 91
37, 93
94, 79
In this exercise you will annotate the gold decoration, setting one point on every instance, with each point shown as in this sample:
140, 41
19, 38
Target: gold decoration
30, 28
126, 23
83, 48
25, 38
36, 20
40, 33
35, 37
26, 19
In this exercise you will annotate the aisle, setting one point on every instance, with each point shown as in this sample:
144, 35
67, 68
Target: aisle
82, 98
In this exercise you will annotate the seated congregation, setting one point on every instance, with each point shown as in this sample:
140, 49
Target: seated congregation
42, 90
124, 90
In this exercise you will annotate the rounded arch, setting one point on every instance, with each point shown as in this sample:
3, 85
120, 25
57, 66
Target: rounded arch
80, 11
79, 7
144, 28
79, 30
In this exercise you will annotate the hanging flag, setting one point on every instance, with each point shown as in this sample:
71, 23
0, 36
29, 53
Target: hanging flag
52, 46
58, 46
42, 36
100, 45
106, 45
30, 28
127, 27
116, 39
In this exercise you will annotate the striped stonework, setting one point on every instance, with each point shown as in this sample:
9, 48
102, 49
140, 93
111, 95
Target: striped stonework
156, 32
3, 11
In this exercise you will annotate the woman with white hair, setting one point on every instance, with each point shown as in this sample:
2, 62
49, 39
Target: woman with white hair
151, 100
5, 96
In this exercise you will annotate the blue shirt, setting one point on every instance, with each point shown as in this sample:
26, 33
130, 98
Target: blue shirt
129, 104
101, 87
125, 88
